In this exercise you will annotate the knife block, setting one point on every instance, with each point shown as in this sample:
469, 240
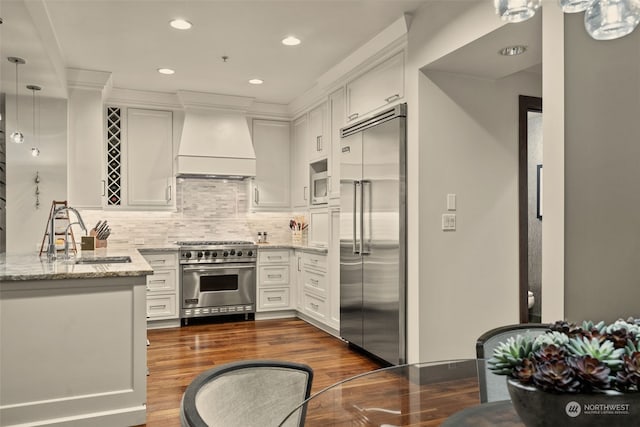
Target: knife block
99, 243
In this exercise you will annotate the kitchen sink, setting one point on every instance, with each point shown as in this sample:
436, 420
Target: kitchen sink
104, 260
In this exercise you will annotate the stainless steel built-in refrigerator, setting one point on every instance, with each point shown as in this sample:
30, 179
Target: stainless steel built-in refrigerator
373, 234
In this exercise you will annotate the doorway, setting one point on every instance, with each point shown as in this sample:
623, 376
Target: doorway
530, 209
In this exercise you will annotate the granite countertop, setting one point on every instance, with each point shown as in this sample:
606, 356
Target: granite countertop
29, 266
292, 246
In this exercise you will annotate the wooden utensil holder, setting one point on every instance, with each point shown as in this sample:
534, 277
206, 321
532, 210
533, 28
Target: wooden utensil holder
99, 243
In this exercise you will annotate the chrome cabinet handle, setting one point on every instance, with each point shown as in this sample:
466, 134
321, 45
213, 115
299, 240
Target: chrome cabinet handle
356, 184
153, 307
256, 195
157, 281
299, 263
274, 276
314, 281
104, 188
169, 195
392, 97
274, 298
353, 116
305, 193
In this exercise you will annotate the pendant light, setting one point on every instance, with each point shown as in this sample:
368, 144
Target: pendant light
574, 6
17, 136
35, 151
611, 19
516, 10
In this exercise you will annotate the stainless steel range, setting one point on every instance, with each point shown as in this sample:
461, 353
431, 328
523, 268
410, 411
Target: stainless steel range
217, 278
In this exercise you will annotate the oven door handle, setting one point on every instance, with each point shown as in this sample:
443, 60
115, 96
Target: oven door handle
221, 267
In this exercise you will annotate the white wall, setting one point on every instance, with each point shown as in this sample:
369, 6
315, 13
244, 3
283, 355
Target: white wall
25, 223
602, 203
469, 147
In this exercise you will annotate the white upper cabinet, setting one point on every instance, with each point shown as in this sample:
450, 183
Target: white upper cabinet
149, 157
300, 167
337, 121
270, 188
380, 86
319, 143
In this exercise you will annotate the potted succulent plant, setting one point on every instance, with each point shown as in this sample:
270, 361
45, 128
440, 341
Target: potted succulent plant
582, 375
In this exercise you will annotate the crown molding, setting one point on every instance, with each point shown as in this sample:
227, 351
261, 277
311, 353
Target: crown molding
143, 98
88, 79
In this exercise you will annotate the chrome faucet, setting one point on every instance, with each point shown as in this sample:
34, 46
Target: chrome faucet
51, 249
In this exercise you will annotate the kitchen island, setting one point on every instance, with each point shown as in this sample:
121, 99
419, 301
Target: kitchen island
73, 340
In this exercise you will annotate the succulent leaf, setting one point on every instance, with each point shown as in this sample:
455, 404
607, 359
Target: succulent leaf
603, 351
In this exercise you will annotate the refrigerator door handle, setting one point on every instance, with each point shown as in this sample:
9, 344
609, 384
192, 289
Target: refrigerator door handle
365, 190
356, 184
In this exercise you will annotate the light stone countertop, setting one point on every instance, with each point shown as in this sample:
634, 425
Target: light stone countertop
29, 266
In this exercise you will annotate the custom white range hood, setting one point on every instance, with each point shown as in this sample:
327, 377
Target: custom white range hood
215, 141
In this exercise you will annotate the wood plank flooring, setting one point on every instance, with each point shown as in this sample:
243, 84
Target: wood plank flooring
177, 355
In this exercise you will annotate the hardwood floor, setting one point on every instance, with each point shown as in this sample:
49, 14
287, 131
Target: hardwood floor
177, 355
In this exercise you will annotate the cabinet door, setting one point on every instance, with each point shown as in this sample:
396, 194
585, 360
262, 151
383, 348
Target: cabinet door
271, 184
333, 258
300, 169
337, 121
378, 87
318, 227
318, 142
149, 157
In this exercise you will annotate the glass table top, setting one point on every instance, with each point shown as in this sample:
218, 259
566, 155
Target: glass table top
443, 393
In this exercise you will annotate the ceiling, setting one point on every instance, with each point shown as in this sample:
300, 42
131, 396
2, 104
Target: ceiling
132, 39
480, 58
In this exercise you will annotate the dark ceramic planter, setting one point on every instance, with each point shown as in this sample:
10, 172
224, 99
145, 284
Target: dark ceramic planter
605, 409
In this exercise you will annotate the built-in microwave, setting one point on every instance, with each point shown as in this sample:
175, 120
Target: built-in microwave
319, 188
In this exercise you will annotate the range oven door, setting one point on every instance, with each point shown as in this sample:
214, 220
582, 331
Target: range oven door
218, 285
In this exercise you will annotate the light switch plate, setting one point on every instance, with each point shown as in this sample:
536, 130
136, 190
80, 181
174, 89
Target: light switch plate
451, 202
448, 222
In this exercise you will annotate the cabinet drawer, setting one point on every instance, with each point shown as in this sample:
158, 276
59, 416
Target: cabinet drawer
315, 306
162, 281
162, 260
270, 275
273, 256
161, 306
315, 282
276, 298
312, 260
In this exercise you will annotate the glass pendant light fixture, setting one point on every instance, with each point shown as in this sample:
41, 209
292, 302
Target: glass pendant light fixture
611, 19
35, 152
574, 6
16, 135
516, 10
603, 19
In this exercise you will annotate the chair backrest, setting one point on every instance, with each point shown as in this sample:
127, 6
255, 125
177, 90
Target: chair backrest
245, 394
494, 387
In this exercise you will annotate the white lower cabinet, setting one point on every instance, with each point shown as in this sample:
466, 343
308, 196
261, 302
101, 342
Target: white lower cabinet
274, 284
162, 287
274, 299
313, 286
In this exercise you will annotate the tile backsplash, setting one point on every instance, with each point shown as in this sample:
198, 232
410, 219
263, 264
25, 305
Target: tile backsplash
206, 209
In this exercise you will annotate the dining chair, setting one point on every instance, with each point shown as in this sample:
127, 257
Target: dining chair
493, 387
245, 394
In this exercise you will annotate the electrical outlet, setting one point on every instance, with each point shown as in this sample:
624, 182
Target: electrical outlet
448, 222
138, 241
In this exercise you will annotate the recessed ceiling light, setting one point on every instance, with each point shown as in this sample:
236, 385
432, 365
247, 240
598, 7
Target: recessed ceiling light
256, 81
180, 24
291, 41
512, 50
166, 71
